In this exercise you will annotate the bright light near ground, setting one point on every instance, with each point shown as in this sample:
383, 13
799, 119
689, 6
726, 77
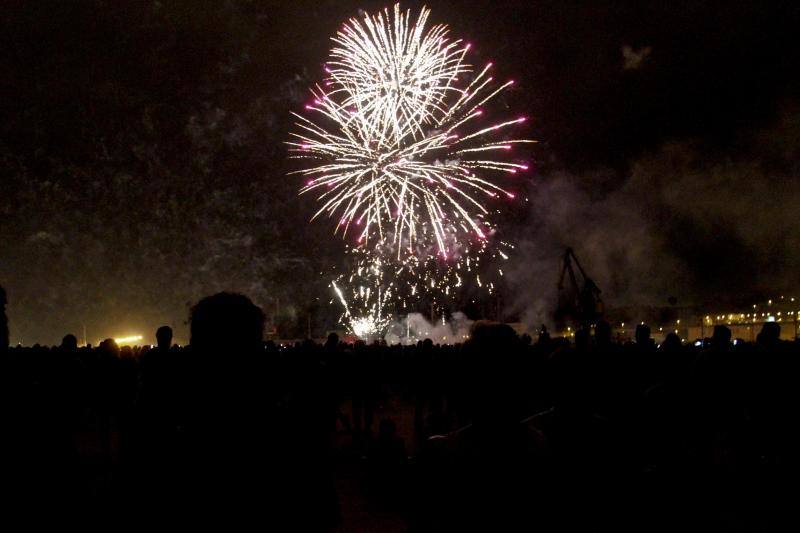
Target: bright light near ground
365, 327
128, 340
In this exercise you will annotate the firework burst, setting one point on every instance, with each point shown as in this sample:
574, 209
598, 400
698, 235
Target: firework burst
397, 148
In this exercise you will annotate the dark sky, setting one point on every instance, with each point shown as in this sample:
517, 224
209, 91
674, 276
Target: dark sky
142, 164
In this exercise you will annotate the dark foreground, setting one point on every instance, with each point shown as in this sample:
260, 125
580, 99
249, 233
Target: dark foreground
497, 434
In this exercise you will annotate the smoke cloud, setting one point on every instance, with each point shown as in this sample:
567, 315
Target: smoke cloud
415, 327
685, 222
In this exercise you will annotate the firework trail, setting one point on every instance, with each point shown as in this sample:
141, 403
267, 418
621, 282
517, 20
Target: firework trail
398, 152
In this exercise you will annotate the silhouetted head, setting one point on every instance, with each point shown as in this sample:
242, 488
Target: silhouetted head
109, 347
227, 322
491, 349
671, 342
69, 343
770, 332
602, 333
491, 337
333, 341
164, 337
544, 336
582, 339
642, 334
721, 337
3, 300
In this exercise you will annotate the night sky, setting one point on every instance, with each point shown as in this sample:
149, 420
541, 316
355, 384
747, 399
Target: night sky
142, 163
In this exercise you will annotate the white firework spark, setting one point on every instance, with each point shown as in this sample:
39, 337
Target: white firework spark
393, 72
376, 290
397, 149
366, 314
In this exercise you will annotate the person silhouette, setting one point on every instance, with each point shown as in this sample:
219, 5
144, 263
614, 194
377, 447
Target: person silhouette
3, 321
602, 335
69, 344
164, 337
159, 382
332, 344
769, 335
721, 338
248, 451
642, 335
478, 477
544, 336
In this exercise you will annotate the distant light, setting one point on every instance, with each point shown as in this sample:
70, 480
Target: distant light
127, 340
770, 318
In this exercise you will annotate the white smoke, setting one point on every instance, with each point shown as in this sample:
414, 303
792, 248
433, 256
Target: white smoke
415, 327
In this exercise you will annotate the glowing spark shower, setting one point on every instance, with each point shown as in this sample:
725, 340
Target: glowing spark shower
399, 153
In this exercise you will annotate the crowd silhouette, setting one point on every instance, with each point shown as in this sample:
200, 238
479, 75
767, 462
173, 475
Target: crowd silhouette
500, 433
